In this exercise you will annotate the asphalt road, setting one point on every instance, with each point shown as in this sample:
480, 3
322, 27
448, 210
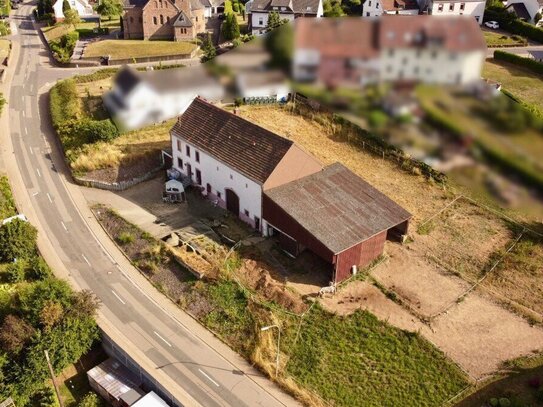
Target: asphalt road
197, 367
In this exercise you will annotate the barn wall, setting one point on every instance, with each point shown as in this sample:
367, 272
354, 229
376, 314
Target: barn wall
360, 255
277, 217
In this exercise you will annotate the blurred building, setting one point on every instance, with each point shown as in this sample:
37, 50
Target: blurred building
426, 49
83, 8
473, 8
258, 11
179, 20
259, 85
525, 9
141, 98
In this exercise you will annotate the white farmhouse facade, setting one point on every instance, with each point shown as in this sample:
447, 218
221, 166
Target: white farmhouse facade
258, 11
449, 50
473, 8
142, 98
83, 8
233, 161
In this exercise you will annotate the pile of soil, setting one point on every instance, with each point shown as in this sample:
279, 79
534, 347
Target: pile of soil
257, 277
126, 171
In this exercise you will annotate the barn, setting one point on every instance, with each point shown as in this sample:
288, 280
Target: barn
335, 214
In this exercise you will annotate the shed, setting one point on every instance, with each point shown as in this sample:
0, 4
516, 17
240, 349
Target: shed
337, 215
110, 379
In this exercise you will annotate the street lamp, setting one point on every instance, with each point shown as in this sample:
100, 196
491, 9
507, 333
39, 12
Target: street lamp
278, 342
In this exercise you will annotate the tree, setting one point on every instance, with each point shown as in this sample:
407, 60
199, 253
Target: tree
32, 299
90, 400
71, 17
280, 44
84, 304
17, 240
97, 130
51, 314
65, 6
14, 334
537, 17
275, 20
208, 49
332, 8
109, 8
230, 27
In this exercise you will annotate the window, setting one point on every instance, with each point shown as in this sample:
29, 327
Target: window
198, 177
208, 188
246, 185
462, 6
257, 223
160, 2
131, 19
140, 20
261, 21
367, 14
217, 168
246, 212
231, 176
179, 145
451, 7
179, 162
187, 151
168, 18
155, 21
197, 156
218, 195
440, 8
369, 3
161, 19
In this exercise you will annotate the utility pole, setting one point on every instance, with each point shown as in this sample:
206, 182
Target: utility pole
53, 378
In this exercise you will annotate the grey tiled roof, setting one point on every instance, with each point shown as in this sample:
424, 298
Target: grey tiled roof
338, 207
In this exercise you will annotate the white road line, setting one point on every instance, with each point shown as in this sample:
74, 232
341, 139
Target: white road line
49, 197
35, 193
26, 131
119, 298
64, 226
23, 113
38, 171
209, 378
165, 341
86, 260
31, 152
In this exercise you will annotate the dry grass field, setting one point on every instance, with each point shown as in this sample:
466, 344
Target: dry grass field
122, 49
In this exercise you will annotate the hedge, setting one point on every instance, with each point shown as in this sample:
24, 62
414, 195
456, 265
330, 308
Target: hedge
528, 63
514, 25
63, 47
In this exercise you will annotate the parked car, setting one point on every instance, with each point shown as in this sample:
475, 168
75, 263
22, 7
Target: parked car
492, 24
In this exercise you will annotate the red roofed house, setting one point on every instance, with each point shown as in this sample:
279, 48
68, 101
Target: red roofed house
277, 188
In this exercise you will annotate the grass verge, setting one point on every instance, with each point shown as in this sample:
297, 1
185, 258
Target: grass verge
494, 40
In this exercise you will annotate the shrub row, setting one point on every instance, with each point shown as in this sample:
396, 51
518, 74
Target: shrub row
71, 126
63, 47
527, 63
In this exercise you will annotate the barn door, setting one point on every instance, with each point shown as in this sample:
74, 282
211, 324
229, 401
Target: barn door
232, 202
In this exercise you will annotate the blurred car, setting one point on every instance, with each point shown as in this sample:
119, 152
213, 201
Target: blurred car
492, 24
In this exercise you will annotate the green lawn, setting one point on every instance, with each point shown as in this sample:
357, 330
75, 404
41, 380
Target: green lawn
361, 361
521, 82
499, 40
58, 30
4, 49
121, 49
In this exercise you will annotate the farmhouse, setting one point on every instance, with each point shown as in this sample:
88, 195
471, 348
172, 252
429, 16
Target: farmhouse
141, 98
277, 188
258, 11
179, 20
448, 50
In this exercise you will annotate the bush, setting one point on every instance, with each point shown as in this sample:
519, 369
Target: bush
528, 63
38, 269
17, 240
97, 130
377, 119
125, 238
90, 400
16, 271
4, 29
504, 402
63, 103
63, 48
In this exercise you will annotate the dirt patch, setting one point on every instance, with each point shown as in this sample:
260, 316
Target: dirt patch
417, 280
256, 275
127, 170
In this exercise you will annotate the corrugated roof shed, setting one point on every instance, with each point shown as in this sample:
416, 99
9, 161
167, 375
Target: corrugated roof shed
113, 377
245, 147
338, 207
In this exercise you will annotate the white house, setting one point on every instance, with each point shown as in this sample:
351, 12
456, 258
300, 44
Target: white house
83, 8
448, 50
141, 98
473, 8
212, 7
234, 160
526, 9
259, 10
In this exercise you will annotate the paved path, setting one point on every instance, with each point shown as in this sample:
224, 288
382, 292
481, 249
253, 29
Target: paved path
194, 366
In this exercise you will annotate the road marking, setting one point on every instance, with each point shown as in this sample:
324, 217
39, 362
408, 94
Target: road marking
38, 171
120, 299
31, 152
35, 193
86, 260
210, 379
23, 113
165, 341
26, 131
49, 197
64, 226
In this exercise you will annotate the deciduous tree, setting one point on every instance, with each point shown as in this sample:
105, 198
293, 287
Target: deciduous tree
17, 239
14, 334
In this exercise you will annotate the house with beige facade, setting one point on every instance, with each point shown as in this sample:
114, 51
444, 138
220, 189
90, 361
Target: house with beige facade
178, 20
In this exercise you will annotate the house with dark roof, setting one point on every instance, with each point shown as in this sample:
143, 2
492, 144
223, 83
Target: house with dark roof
142, 98
526, 10
421, 48
178, 20
259, 10
280, 190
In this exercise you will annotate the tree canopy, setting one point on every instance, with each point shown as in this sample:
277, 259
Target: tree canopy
109, 8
